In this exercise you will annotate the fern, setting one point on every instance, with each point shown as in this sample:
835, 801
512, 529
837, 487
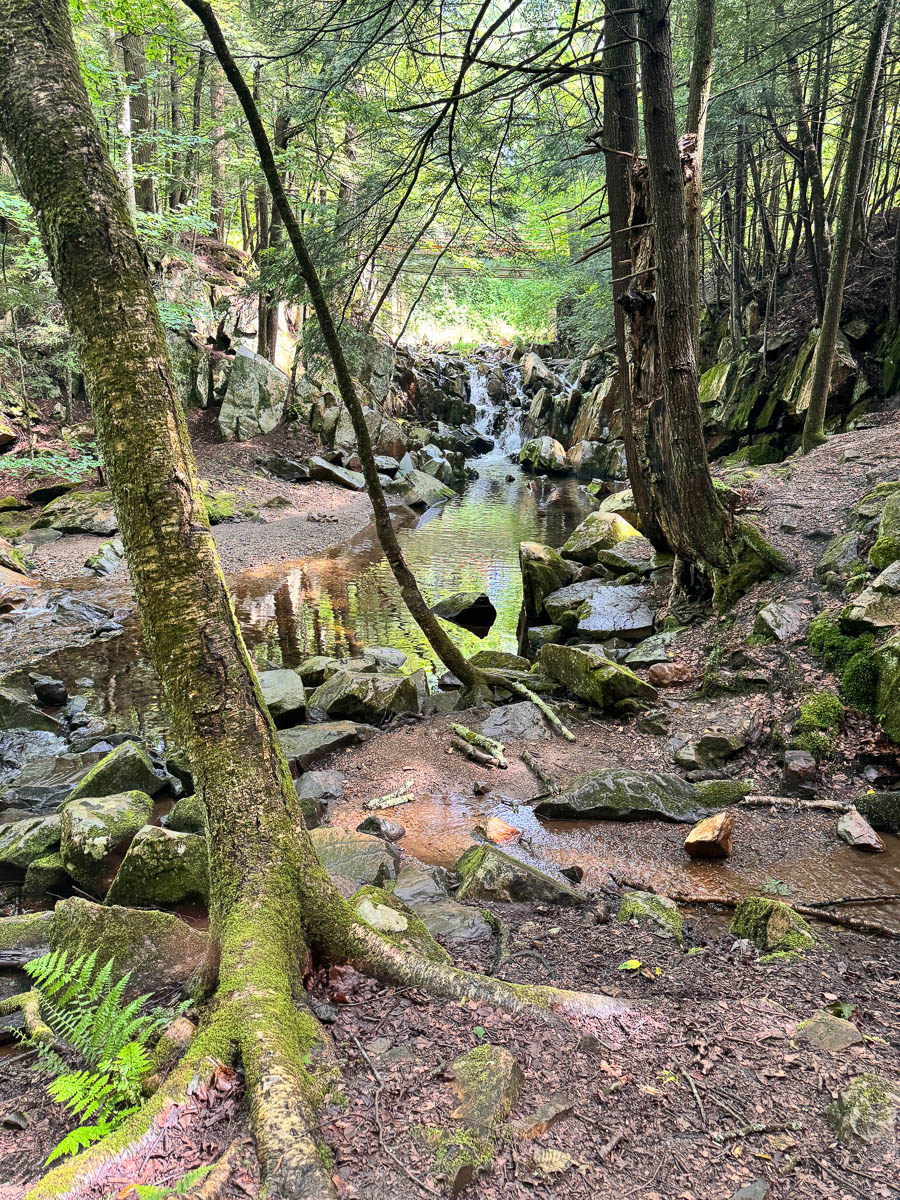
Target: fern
150, 1191
86, 1009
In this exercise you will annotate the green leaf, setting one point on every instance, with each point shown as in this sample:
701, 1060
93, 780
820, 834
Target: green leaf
630, 964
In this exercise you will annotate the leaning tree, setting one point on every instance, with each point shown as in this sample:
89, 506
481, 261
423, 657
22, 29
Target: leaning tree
274, 911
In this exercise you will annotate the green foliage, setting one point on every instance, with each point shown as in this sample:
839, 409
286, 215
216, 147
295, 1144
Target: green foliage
852, 658
53, 462
148, 1191
820, 721
86, 1009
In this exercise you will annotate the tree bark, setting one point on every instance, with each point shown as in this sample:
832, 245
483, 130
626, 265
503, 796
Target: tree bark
217, 153
135, 59
621, 133
814, 425
698, 100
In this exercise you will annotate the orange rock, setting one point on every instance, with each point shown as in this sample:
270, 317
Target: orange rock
667, 674
498, 831
711, 837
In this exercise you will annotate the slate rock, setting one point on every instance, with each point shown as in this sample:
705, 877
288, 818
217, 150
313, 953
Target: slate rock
625, 793
321, 785
304, 745
322, 470
356, 856
785, 621
127, 768
488, 873
18, 712
855, 830
445, 919
284, 695
364, 697
827, 1032
516, 722
592, 676
596, 610
652, 651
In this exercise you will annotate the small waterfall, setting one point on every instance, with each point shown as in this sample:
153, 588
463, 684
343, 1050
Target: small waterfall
500, 422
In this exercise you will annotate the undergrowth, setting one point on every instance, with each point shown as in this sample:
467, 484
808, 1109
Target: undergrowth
851, 658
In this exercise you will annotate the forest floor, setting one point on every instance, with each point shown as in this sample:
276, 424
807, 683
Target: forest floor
710, 1087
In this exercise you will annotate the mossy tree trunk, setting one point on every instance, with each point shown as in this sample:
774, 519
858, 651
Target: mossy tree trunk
823, 364
273, 908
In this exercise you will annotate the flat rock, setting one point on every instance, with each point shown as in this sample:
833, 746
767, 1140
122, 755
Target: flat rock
321, 785
18, 712
517, 722
596, 610
370, 698
304, 745
855, 830
445, 919
324, 471
356, 856
624, 793
44, 783
828, 1032
784, 621
652, 651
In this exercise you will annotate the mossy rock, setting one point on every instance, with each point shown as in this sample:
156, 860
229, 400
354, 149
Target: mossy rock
820, 721
22, 842
488, 873
161, 867
396, 922
773, 927
80, 512
28, 933
158, 948
881, 810
887, 545
626, 793
864, 1110
658, 912
499, 660
543, 572
44, 875
187, 815
592, 676
94, 830
13, 559
598, 531
219, 507
127, 768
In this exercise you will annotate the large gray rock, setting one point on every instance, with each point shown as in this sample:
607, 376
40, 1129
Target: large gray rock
488, 873
95, 830
127, 768
285, 696
80, 512
304, 745
651, 651
522, 722
597, 611
419, 490
359, 857
22, 842
44, 783
106, 558
254, 397
535, 373
161, 866
598, 531
323, 471
444, 918
785, 621
544, 572
624, 793
471, 610
592, 676
17, 712
544, 456
364, 697
877, 607
840, 556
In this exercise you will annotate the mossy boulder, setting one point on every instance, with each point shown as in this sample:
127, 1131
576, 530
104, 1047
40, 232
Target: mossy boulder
543, 572
887, 545
394, 920
21, 842
304, 745
592, 676
127, 768
659, 913
158, 948
186, 815
864, 1110
364, 697
499, 660
624, 793
622, 504
106, 558
598, 531
160, 867
45, 874
817, 727
544, 456
887, 662
13, 559
219, 507
80, 512
881, 810
841, 555
95, 830
487, 873
254, 397
773, 927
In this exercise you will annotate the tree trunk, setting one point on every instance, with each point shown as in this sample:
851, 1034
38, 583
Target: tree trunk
177, 193
698, 100
135, 59
123, 119
272, 905
217, 153
621, 137
814, 426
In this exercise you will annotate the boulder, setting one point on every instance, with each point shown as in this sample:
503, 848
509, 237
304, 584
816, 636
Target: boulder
499, 660
80, 512
320, 785
516, 722
471, 610
876, 607
886, 549
711, 837
186, 815
652, 651
881, 810
785, 622
305, 744
444, 918
364, 697
535, 373
598, 531
773, 928
254, 397
106, 558
632, 556
14, 560
625, 793
161, 866
157, 948
280, 466
543, 573
801, 771
592, 676
383, 827
322, 470
44, 874
45, 782
622, 504
596, 611
315, 670
487, 873
95, 830
125, 769
658, 913
840, 557
864, 1110
22, 842
855, 830
355, 856
389, 658
825, 1031
887, 660
285, 696
17, 712
589, 460
544, 456
419, 490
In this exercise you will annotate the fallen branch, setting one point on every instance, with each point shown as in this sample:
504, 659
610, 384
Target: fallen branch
489, 745
788, 802
476, 755
732, 1135
853, 900
513, 685
391, 800
854, 923
29, 1004
533, 765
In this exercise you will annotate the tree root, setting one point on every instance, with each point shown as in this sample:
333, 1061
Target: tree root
29, 1004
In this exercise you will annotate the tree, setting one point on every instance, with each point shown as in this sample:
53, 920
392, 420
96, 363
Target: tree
698, 103
814, 425
272, 905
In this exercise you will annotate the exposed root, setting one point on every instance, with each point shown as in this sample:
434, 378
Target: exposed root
29, 1003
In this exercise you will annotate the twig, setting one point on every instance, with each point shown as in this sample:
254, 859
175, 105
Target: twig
617, 1138
852, 900
488, 744
358, 1044
686, 1075
823, 1166
534, 766
426, 1187
787, 802
476, 755
731, 1135
854, 923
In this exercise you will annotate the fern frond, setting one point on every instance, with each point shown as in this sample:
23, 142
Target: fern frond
79, 1139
